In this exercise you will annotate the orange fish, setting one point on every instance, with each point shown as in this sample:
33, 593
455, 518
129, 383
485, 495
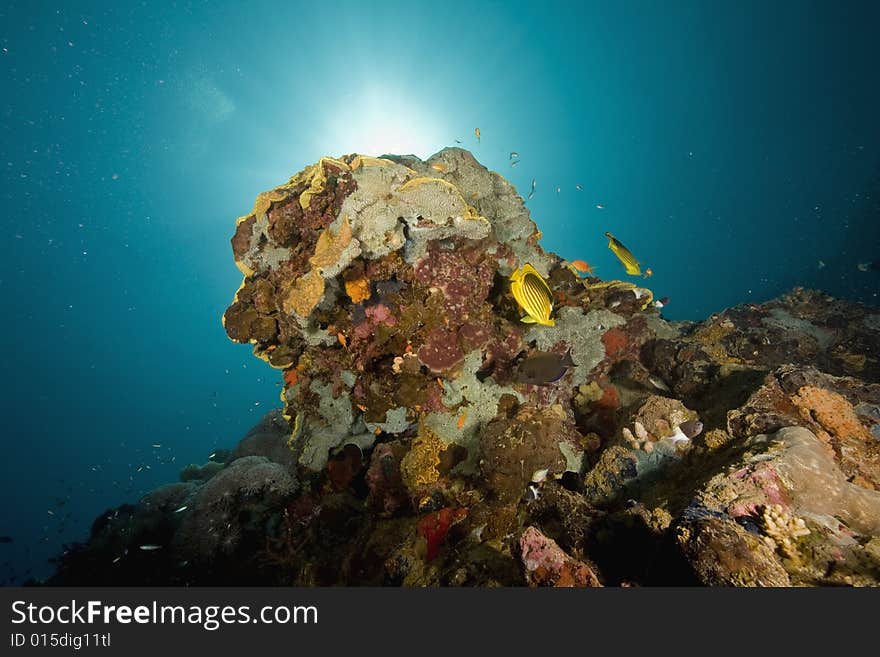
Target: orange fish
648, 272
342, 340
438, 167
583, 266
462, 419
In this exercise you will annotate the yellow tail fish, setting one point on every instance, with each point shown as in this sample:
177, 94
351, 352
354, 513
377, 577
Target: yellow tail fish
533, 295
623, 254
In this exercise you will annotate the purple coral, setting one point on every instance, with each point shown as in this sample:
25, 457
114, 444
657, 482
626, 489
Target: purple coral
464, 275
441, 351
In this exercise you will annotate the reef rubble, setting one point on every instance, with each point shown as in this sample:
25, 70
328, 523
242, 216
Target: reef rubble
741, 450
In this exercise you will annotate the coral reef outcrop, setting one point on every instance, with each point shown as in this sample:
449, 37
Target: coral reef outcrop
742, 450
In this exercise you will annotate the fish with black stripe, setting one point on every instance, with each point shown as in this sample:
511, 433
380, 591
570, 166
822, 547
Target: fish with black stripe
624, 255
533, 295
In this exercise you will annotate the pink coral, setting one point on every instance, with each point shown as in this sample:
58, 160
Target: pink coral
546, 563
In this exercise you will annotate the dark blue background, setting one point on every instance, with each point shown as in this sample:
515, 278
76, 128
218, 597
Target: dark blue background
733, 145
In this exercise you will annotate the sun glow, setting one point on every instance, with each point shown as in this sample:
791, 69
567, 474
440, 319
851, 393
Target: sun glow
379, 121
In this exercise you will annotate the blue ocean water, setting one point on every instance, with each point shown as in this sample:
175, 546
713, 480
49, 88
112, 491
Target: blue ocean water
734, 147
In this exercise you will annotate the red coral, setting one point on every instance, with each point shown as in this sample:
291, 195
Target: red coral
435, 526
610, 399
615, 340
343, 467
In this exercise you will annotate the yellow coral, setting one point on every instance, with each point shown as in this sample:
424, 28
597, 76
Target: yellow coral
358, 290
710, 336
425, 180
603, 285
317, 178
330, 247
832, 411
304, 294
266, 199
298, 429
367, 161
419, 467
782, 530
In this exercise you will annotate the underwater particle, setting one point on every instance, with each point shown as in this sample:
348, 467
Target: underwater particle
623, 254
532, 193
150, 547
513, 155
599, 206
864, 266
578, 187
533, 295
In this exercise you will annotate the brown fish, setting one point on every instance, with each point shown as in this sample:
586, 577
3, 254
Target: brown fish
543, 368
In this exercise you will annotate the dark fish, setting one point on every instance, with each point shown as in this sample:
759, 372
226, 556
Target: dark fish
691, 428
5, 539
542, 368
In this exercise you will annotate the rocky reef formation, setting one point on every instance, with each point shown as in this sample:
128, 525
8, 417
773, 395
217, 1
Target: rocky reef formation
410, 449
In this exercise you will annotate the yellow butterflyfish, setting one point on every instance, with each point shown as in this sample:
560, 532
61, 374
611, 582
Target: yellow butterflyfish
533, 295
623, 254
